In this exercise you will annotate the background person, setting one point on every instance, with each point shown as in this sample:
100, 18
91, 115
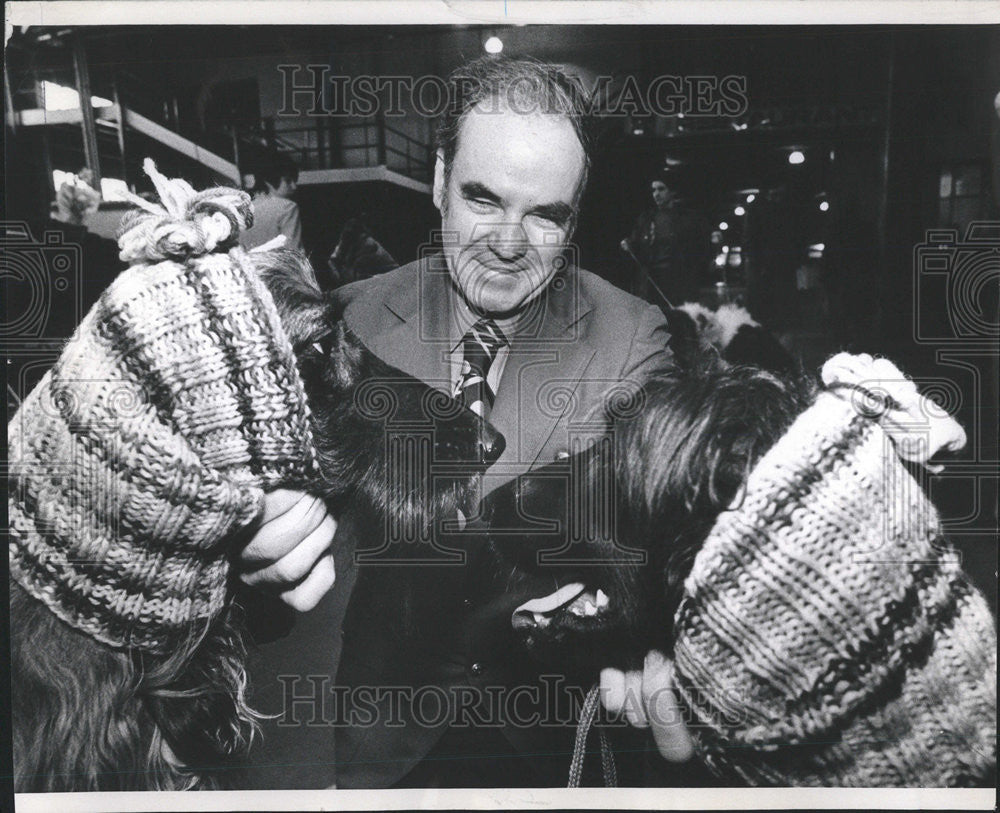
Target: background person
670, 243
274, 210
358, 255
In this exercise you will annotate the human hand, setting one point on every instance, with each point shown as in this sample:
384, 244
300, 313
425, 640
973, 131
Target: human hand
647, 700
290, 550
919, 426
75, 201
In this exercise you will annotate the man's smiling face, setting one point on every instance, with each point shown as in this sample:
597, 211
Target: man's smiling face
508, 205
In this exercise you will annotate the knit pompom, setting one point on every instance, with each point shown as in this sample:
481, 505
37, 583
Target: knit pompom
185, 224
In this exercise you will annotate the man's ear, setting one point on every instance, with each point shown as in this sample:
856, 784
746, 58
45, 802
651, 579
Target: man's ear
438, 192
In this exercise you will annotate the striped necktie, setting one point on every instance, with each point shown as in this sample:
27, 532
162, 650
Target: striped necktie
479, 348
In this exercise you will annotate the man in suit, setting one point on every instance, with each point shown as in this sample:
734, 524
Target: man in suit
503, 320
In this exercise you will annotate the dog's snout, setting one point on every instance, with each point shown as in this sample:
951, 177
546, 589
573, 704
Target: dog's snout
491, 444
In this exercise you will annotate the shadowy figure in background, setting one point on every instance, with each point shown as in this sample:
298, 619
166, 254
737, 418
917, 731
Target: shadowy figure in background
670, 242
358, 255
274, 211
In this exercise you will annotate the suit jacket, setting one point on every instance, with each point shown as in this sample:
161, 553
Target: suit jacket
448, 627
584, 336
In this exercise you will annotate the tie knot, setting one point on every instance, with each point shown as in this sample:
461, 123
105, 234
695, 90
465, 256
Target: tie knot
484, 337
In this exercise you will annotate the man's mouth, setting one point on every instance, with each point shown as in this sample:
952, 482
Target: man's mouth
514, 264
505, 267
575, 599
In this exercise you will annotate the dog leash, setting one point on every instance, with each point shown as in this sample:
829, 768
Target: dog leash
649, 278
588, 715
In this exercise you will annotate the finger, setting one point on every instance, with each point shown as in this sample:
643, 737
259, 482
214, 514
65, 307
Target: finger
635, 713
665, 715
655, 674
317, 584
613, 690
285, 530
296, 564
279, 501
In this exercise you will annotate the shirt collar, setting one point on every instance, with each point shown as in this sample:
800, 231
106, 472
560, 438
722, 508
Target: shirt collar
463, 318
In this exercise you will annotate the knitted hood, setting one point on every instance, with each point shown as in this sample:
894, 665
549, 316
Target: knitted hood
827, 635
173, 407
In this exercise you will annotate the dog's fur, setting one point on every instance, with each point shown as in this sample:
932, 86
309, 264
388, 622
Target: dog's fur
90, 717
666, 474
729, 333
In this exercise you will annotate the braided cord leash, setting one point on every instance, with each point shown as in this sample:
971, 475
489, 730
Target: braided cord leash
588, 715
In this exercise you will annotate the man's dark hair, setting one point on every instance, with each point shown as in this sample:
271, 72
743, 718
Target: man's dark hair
275, 168
526, 86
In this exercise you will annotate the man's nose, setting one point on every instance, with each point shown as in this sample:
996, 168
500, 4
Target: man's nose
491, 444
509, 241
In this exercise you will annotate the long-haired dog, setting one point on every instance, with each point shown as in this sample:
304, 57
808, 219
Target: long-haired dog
364, 411
765, 534
632, 510
91, 716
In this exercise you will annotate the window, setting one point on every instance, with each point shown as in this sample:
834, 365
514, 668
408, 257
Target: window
961, 195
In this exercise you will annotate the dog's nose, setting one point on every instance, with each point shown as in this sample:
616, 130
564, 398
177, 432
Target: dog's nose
491, 444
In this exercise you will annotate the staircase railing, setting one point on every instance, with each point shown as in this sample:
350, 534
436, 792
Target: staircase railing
348, 145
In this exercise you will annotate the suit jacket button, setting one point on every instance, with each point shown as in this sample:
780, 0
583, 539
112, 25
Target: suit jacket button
466, 602
477, 668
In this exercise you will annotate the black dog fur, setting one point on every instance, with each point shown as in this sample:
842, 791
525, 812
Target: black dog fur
664, 473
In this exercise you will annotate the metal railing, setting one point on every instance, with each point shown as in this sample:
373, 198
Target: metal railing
357, 144
312, 144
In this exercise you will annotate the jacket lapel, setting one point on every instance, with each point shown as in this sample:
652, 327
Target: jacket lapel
549, 357
547, 361
416, 339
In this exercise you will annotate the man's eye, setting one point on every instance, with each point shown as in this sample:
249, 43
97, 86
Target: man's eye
548, 223
481, 205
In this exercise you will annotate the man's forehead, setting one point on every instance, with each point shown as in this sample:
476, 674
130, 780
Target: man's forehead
538, 153
493, 115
